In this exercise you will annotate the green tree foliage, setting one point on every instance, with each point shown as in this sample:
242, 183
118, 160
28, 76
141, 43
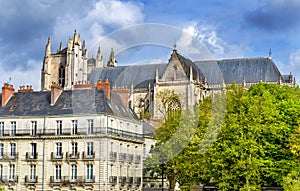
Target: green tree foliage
2, 187
257, 145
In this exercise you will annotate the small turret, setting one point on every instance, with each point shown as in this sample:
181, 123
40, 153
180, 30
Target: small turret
99, 59
48, 47
84, 49
112, 62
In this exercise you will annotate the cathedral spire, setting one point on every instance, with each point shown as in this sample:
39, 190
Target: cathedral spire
84, 50
99, 59
112, 62
48, 47
60, 46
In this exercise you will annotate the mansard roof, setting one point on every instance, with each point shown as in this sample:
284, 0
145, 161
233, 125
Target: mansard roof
123, 76
70, 102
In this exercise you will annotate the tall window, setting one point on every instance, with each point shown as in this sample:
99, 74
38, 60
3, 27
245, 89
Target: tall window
59, 150
74, 148
12, 150
1, 128
144, 150
11, 172
73, 173
1, 171
61, 76
32, 172
13, 128
33, 150
58, 127
89, 173
33, 128
1, 150
74, 127
90, 126
90, 149
57, 173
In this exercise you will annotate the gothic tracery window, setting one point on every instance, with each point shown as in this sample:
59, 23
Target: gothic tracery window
174, 105
61, 76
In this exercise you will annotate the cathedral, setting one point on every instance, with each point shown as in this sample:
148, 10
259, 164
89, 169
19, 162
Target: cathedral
189, 80
83, 131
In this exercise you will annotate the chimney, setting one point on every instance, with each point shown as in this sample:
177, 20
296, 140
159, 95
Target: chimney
56, 90
7, 92
123, 93
104, 86
25, 89
83, 85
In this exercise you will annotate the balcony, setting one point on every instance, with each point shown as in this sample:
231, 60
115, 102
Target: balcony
31, 180
89, 180
31, 156
63, 180
67, 180
137, 159
5, 179
56, 156
122, 180
113, 156
137, 180
130, 180
72, 156
122, 156
88, 156
113, 180
129, 157
9, 156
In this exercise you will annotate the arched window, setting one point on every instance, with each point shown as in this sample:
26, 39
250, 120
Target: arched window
61, 76
174, 105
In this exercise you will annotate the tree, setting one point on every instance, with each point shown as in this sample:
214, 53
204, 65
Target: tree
2, 187
250, 152
257, 145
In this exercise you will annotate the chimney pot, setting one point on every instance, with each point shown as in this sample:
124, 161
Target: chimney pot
104, 86
7, 92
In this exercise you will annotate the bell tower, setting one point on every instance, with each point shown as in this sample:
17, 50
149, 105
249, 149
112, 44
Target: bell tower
66, 67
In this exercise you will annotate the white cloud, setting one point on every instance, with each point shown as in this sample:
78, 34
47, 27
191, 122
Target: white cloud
207, 35
92, 26
114, 12
20, 77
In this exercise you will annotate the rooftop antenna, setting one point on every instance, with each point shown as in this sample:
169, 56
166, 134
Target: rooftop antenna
9, 80
270, 53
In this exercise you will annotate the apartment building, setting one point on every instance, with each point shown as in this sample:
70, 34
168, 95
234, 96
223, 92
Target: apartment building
80, 139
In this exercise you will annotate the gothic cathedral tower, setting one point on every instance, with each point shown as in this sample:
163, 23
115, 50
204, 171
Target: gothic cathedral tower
67, 66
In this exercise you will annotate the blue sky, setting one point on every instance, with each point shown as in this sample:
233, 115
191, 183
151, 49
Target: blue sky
229, 29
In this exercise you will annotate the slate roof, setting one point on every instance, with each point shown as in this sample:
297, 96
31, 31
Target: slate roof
252, 69
81, 101
148, 130
123, 76
213, 71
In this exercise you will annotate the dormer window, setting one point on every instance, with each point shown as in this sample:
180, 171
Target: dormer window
12, 108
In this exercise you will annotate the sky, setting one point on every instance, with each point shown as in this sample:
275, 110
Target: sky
228, 29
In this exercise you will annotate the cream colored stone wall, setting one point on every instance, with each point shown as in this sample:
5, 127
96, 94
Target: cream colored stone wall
124, 140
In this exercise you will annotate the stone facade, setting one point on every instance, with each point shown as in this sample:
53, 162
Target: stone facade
190, 80
51, 145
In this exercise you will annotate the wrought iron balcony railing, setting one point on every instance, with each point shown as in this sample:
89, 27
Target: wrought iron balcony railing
31, 156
